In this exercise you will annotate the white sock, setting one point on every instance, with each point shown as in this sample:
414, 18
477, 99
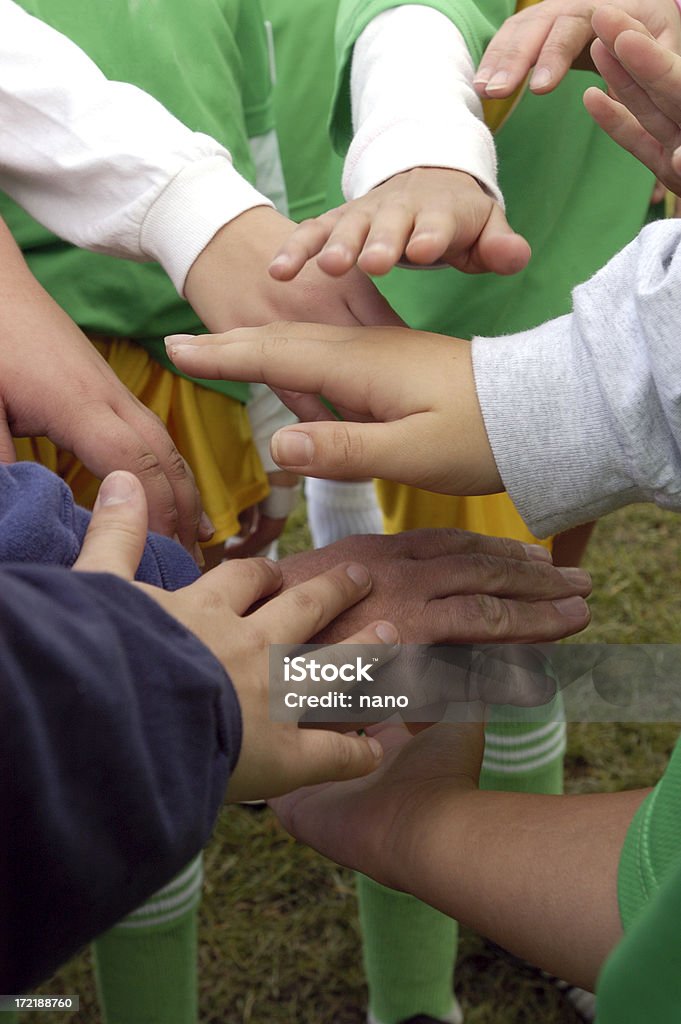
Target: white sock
338, 509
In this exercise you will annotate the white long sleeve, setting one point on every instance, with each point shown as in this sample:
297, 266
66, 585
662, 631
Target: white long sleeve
103, 164
413, 102
584, 413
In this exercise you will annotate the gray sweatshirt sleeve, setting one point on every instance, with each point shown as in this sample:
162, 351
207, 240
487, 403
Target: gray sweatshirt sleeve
584, 413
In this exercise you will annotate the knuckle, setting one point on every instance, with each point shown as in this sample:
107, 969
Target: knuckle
310, 607
347, 445
495, 615
276, 339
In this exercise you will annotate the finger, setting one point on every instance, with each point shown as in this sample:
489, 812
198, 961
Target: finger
511, 54
485, 573
117, 532
387, 238
435, 233
569, 35
242, 582
192, 523
482, 618
305, 358
639, 99
656, 70
443, 541
319, 756
348, 451
498, 248
298, 614
345, 242
625, 130
105, 442
304, 243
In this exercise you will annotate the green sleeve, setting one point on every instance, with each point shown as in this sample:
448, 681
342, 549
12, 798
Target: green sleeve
653, 844
477, 22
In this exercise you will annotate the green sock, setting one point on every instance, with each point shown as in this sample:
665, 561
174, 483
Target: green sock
409, 954
146, 965
524, 750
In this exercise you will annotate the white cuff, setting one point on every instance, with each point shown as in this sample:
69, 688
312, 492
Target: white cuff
195, 204
413, 103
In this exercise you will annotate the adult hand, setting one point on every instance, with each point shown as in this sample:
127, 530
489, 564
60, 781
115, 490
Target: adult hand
275, 757
229, 286
451, 586
554, 36
645, 77
417, 389
54, 383
422, 215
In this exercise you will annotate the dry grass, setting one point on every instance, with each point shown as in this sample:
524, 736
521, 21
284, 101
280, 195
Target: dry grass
279, 933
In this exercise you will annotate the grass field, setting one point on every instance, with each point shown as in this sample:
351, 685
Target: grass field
279, 934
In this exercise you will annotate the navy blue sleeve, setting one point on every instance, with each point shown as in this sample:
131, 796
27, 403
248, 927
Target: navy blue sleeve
118, 732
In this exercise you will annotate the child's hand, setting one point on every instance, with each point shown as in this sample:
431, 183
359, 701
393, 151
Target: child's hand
424, 215
416, 390
645, 77
275, 757
554, 36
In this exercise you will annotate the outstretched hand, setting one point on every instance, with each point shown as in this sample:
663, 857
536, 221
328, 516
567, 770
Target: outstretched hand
422, 216
416, 390
643, 112
553, 36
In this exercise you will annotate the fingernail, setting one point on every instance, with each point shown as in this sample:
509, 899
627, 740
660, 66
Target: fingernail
292, 448
280, 263
359, 575
375, 748
538, 553
540, 78
386, 633
179, 339
482, 76
206, 528
117, 489
497, 81
572, 607
579, 577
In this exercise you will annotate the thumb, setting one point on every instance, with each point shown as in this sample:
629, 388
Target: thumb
342, 450
498, 248
322, 756
117, 533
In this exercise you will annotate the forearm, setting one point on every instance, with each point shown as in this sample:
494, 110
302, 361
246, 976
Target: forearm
468, 854
120, 763
102, 163
430, 117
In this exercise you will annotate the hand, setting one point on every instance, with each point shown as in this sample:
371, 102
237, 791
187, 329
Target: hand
450, 586
53, 382
366, 824
424, 215
229, 286
416, 388
554, 36
645, 77
275, 757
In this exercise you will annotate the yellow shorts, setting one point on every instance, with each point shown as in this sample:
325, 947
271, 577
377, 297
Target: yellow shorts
211, 431
408, 508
